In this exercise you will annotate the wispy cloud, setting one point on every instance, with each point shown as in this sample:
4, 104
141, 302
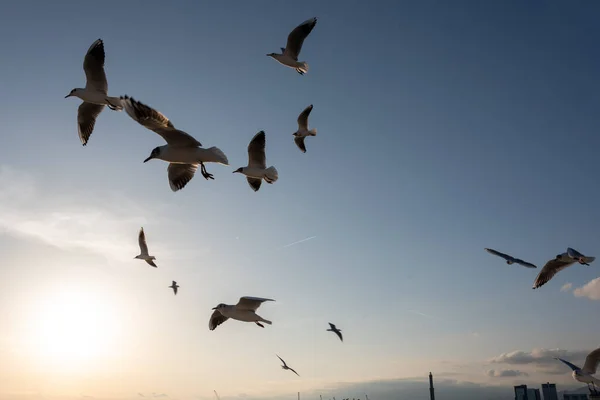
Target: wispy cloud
566, 287
505, 373
591, 290
299, 241
422, 314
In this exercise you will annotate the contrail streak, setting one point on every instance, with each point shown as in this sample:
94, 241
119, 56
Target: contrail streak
299, 241
421, 314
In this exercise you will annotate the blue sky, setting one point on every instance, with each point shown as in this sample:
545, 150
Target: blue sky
444, 128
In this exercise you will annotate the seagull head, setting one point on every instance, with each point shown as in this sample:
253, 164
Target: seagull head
271, 55
71, 93
154, 154
219, 306
238, 170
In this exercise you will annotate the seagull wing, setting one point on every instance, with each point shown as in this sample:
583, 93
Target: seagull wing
142, 242
86, 120
337, 332
256, 151
216, 319
175, 289
332, 326
551, 268
303, 118
93, 66
180, 174
296, 38
524, 263
299, 140
292, 369
499, 254
254, 183
158, 123
151, 263
284, 364
591, 362
572, 366
250, 303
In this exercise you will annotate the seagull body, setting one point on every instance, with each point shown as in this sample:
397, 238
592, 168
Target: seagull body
285, 366
144, 249
244, 310
509, 259
95, 94
182, 151
257, 169
335, 330
586, 374
303, 130
174, 286
289, 54
559, 263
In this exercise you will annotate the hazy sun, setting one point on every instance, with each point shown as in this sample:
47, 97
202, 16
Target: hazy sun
73, 327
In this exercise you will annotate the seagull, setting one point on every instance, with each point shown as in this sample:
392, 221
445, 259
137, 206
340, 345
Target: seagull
144, 249
289, 54
303, 130
335, 330
585, 374
284, 366
559, 263
244, 311
510, 259
257, 164
174, 286
95, 94
182, 151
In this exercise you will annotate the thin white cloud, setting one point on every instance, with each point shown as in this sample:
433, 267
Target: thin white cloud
538, 356
299, 241
566, 287
422, 314
505, 373
591, 290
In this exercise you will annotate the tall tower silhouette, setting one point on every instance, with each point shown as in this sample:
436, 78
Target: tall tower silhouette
431, 389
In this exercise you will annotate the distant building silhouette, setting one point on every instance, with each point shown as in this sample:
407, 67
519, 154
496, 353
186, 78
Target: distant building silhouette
549, 391
523, 393
431, 390
576, 396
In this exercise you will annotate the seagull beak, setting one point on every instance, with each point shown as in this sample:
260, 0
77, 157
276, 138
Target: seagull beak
69, 95
214, 308
149, 158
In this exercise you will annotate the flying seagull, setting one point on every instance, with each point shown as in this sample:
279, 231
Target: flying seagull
335, 330
284, 366
510, 259
95, 94
174, 286
303, 130
585, 374
144, 249
257, 169
182, 151
243, 311
289, 55
559, 263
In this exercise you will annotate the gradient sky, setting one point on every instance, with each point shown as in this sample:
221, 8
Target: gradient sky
444, 127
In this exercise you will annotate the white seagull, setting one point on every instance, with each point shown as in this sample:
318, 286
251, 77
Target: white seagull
285, 366
144, 249
257, 169
182, 151
335, 330
510, 259
559, 263
303, 130
585, 374
244, 311
95, 94
174, 286
289, 55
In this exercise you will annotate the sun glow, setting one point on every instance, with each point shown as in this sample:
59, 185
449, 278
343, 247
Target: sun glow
72, 328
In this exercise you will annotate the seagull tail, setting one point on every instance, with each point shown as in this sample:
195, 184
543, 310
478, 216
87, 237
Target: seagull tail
313, 132
302, 67
266, 322
114, 103
218, 156
271, 174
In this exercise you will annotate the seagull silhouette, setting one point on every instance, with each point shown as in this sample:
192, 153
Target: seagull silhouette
335, 330
284, 366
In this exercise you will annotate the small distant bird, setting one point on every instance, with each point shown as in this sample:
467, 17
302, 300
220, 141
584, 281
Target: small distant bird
335, 330
243, 311
182, 151
303, 130
289, 55
510, 259
257, 169
284, 366
174, 286
95, 94
585, 374
559, 263
144, 249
